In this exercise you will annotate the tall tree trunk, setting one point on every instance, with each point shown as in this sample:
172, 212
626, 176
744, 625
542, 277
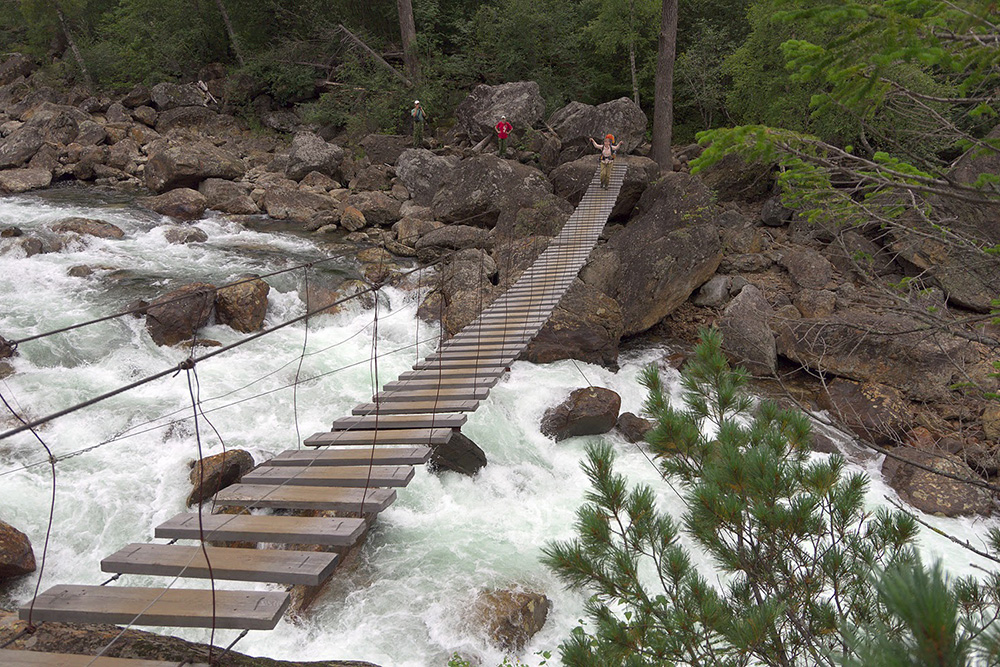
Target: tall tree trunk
87, 81
631, 51
232, 33
408, 32
663, 107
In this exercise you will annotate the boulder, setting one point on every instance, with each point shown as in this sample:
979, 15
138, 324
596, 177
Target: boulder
13, 181
228, 196
815, 303
422, 172
384, 148
20, 146
991, 421
460, 455
511, 618
481, 187
125, 155
318, 182
875, 412
746, 334
137, 97
632, 427
545, 217
184, 234
146, 115
774, 214
166, 96
373, 177
377, 207
182, 203
587, 411
933, 493
808, 268
15, 66
88, 227
586, 325
308, 153
714, 293
214, 473
352, 219
889, 349
669, 249
408, 229
438, 242
90, 133
734, 179
467, 287
243, 306
188, 165
480, 111
571, 180
175, 316
178, 118
296, 205
16, 556
117, 113
576, 123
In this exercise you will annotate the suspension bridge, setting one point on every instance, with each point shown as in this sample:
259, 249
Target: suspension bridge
354, 470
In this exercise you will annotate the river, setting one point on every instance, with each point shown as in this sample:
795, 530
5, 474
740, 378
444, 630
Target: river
123, 464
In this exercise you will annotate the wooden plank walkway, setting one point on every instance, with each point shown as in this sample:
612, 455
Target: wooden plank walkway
353, 468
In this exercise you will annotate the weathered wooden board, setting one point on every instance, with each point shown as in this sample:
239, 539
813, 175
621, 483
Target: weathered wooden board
306, 498
276, 566
412, 436
349, 456
186, 608
399, 422
349, 476
326, 531
415, 407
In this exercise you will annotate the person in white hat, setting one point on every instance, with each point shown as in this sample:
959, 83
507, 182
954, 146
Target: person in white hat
418, 123
503, 129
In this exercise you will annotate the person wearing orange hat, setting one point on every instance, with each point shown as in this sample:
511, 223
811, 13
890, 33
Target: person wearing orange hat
503, 129
608, 150
418, 123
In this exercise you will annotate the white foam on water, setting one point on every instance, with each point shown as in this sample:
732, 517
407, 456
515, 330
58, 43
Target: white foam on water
406, 601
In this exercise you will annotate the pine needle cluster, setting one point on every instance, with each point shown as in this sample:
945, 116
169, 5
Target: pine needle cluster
805, 574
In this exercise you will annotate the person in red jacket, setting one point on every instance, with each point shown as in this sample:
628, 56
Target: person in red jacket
503, 129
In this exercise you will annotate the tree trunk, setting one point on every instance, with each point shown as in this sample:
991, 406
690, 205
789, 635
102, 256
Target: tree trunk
631, 51
232, 34
87, 81
663, 107
408, 33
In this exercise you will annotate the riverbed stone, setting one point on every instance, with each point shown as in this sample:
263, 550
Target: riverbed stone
875, 412
243, 306
933, 493
181, 203
511, 618
460, 454
309, 152
632, 427
189, 164
88, 227
184, 234
228, 196
214, 473
171, 95
175, 316
16, 555
746, 333
587, 411
14, 181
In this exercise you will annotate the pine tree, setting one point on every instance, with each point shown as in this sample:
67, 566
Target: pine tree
795, 549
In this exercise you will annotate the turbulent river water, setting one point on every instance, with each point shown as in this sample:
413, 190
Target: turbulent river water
123, 464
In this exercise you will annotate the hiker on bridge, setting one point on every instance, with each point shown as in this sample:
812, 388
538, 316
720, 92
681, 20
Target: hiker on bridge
608, 151
418, 123
503, 129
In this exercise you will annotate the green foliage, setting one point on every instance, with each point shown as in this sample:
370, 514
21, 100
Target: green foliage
790, 535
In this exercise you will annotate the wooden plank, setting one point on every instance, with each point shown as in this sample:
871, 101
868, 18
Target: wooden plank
487, 371
485, 363
309, 568
488, 339
430, 382
503, 355
413, 436
306, 498
353, 456
326, 531
186, 608
347, 476
400, 421
433, 394
10, 658
416, 407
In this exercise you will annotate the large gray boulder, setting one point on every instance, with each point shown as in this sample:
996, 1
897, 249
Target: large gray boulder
377, 207
52, 124
460, 454
587, 411
477, 191
422, 172
88, 227
933, 493
520, 101
384, 148
309, 152
668, 250
297, 205
243, 306
13, 181
438, 242
576, 123
175, 316
746, 333
510, 618
16, 555
876, 412
15, 66
214, 473
586, 325
181, 203
571, 180
466, 288
188, 165
178, 118
228, 196
171, 95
